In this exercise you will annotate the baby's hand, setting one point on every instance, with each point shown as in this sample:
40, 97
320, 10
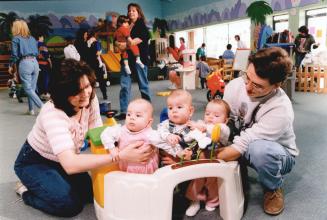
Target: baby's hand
173, 139
186, 154
115, 154
200, 125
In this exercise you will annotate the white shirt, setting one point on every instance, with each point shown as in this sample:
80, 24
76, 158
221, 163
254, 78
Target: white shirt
241, 44
71, 52
273, 121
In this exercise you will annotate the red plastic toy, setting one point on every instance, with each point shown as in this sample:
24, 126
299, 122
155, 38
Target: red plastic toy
216, 86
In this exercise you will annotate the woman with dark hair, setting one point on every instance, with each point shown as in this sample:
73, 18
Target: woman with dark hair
303, 42
80, 43
52, 171
140, 36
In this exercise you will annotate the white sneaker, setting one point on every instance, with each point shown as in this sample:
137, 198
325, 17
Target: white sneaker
32, 112
210, 209
20, 188
193, 209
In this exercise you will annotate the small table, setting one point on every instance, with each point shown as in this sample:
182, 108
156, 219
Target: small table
187, 75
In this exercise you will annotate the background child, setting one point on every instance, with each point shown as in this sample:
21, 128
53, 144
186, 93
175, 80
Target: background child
204, 71
122, 34
217, 111
137, 128
175, 131
45, 65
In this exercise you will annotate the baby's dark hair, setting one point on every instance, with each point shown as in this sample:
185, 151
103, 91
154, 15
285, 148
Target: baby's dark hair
121, 20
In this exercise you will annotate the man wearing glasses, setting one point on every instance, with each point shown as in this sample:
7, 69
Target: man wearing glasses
264, 116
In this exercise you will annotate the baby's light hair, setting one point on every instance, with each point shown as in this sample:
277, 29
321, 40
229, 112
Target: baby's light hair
180, 93
149, 106
222, 102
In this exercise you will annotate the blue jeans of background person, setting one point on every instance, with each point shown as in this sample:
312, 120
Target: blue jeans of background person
29, 72
50, 188
271, 161
126, 85
298, 58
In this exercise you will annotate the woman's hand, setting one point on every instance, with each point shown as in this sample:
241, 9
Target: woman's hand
136, 41
136, 152
121, 45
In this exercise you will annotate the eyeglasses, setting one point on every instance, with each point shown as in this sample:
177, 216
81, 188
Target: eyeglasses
247, 81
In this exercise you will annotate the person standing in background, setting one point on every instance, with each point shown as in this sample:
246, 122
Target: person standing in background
240, 44
45, 65
94, 60
303, 42
80, 43
140, 36
24, 51
201, 51
204, 71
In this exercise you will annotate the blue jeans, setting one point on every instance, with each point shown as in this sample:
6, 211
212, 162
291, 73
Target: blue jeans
29, 72
126, 85
271, 161
50, 188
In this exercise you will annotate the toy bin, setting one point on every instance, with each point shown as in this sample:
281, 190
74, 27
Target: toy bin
98, 174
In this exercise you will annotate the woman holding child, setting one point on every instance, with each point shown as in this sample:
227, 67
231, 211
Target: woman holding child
140, 36
52, 171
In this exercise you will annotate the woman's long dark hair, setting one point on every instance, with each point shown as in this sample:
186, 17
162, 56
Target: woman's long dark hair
139, 10
65, 82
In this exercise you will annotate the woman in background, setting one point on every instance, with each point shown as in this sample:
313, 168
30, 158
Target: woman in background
24, 52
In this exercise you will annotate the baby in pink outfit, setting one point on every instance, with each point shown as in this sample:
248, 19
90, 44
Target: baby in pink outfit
137, 127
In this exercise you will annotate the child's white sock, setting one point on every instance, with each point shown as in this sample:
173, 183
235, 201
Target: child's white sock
139, 62
127, 69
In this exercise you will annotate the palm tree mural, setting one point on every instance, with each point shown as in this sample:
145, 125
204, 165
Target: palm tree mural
160, 25
6, 21
39, 24
257, 12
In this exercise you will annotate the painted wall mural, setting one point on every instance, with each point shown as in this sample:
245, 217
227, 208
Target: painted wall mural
224, 11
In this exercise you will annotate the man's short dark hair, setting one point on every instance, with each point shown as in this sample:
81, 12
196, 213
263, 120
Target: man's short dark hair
65, 82
237, 37
203, 45
203, 58
272, 63
229, 46
303, 29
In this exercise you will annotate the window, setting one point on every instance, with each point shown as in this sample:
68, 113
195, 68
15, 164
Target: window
217, 39
280, 23
316, 21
